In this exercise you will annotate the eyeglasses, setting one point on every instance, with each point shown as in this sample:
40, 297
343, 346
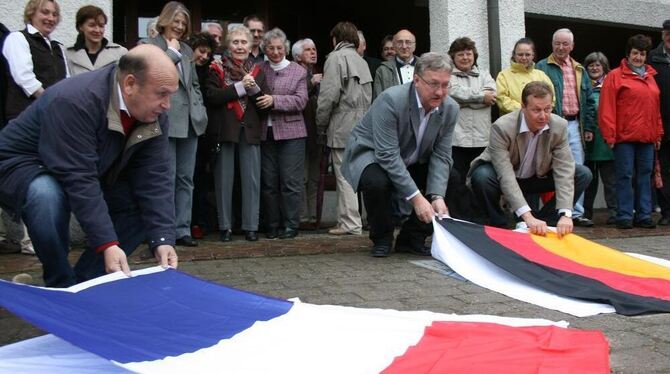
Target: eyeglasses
434, 85
408, 43
523, 54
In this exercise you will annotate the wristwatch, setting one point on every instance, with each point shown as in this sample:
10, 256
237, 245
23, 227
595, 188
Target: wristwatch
565, 213
433, 197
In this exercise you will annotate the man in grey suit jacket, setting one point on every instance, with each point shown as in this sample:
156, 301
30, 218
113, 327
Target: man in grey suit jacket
529, 153
401, 149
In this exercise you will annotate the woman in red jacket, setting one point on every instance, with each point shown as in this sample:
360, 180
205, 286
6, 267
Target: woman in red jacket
630, 121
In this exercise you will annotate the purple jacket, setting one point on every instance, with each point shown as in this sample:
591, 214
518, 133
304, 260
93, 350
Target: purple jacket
288, 88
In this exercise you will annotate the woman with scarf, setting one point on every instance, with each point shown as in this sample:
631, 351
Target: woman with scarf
283, 137
630, 121
511, 81
92, 50
233, 89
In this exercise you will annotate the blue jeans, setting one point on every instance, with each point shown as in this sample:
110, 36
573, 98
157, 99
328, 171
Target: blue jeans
575, 141
46, 214
633, 159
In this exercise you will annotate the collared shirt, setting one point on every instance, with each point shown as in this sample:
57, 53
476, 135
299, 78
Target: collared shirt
20, 61
570, 100
528, 165
423, 123
405, 70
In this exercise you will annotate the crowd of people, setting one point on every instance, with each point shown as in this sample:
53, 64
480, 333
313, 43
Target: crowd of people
254, 122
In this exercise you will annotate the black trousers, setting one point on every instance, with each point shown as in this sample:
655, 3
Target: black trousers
663, 194
378, 194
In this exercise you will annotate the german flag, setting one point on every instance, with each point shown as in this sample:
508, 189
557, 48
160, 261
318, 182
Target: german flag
571, 266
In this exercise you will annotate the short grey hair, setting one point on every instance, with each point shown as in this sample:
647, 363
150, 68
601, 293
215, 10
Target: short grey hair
564, 31
275, 33
214, 24
433, 61
361, 37
239, 30
299, 47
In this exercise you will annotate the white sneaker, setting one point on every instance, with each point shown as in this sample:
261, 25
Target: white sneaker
27, 249
23, 278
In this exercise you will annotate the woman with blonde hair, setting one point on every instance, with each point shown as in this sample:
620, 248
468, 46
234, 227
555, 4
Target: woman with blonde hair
187, 114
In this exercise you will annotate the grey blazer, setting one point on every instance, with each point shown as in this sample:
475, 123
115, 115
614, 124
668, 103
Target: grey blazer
186, 105
386, 135
506, 149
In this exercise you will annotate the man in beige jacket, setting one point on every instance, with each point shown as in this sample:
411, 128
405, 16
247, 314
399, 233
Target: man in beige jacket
344, 97
528, 153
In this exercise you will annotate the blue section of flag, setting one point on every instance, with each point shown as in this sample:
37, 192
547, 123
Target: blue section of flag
143, 318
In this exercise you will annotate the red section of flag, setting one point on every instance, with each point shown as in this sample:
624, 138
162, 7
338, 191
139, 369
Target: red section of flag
524, 246
471, 347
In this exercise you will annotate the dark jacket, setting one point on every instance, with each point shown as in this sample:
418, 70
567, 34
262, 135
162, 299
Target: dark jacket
597, 149
74, 133
223, 125
3, 76
661, 64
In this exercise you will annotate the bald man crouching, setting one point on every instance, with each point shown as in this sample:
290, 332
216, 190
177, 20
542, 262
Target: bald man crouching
95, 145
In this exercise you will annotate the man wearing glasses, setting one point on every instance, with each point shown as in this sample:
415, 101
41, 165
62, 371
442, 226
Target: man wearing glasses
401, 151
256, 27
529, 153
399, 70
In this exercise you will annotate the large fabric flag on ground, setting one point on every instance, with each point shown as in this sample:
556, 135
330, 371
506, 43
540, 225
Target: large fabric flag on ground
570, 274
167, 321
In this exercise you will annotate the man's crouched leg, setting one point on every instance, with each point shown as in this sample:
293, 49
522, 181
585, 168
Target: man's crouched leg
377, 196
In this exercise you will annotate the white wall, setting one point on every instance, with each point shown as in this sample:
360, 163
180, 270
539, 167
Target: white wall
11, 14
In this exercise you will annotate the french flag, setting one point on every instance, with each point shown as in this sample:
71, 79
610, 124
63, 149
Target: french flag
164, 321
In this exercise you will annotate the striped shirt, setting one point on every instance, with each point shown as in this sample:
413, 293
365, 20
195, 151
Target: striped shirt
569, 99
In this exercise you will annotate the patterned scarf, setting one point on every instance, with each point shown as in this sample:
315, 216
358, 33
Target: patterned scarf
232, 72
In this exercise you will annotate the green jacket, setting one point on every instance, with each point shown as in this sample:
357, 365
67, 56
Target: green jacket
553, 70
597, 149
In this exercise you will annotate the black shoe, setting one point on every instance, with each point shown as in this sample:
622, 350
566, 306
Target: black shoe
624, 224
664, 221
582, 222
611, 220
251, 236
187, 241
645, 224
381, 250
226, 236
288, 233
272, 233
415, 249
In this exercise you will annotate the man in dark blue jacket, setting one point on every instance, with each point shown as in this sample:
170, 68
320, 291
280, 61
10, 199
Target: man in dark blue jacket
95, 145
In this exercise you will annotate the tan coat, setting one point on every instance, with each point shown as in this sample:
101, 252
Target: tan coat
474, 118
345, 94
78, 61
506, 149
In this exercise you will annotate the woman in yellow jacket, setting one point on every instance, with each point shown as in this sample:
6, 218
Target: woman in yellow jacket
511, 81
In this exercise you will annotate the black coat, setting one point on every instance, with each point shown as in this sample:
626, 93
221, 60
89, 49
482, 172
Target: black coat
662, 66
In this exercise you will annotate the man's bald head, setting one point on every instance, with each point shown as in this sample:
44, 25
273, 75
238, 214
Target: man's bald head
147, 78
404, 43
147, 59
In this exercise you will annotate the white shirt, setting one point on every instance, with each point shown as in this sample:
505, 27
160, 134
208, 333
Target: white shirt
406, 73
423, 123
17, 53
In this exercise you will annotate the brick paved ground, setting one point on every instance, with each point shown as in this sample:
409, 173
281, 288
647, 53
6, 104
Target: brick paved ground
324, 269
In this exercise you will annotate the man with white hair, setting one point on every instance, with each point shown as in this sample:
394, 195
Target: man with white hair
214, 29
373, 63
572, 87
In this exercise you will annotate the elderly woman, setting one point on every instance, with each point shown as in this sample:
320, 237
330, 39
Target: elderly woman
344, 97
283, 137
233, 87
599, 156
187, 115
35, 60
630, 121
92, 50
511, 81
304, 53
